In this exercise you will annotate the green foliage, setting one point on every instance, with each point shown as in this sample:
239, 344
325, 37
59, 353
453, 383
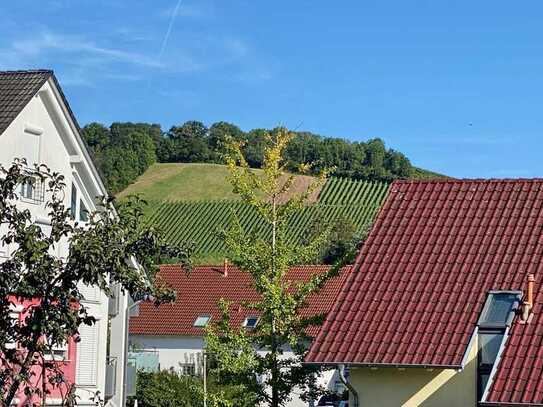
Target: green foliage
201, 222
168, 389
343, 241
112, 247
267, 255
125, 150
122, 152
194, 142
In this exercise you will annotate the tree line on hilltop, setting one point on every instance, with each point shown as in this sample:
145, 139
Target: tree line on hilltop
123, 151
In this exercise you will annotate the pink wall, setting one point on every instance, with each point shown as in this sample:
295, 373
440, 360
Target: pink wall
68, 367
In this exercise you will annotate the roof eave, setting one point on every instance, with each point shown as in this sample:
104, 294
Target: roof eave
386, 365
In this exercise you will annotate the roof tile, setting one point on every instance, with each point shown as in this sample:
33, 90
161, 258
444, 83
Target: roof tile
16, 89
200, 291
420, 281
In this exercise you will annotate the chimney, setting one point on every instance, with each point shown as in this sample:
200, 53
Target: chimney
528, 302
225, 269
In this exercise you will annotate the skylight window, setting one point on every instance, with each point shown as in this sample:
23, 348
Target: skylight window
498, 309
202, 321
250, 322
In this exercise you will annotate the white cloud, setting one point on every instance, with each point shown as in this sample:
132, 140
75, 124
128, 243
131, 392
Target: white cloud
74, 45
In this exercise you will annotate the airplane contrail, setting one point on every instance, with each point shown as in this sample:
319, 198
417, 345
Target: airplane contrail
169, 31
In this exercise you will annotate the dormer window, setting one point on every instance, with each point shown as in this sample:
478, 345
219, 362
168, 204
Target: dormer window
202, 321
496, 317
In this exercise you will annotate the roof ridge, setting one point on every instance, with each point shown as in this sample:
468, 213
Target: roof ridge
466, 180
29, 71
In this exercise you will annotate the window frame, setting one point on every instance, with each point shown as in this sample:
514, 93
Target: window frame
247, 318
488, 303
35, 185
201, 317
73, 200
82, 196
484, 327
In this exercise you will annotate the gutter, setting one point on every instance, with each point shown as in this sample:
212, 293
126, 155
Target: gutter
387, 365
341, 372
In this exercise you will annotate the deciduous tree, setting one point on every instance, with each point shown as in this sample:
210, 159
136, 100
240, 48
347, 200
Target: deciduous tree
112, 247
258, 359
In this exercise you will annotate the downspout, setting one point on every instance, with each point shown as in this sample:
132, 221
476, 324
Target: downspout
343, 378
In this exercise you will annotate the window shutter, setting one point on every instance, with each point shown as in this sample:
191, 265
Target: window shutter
29, 148
87, 354
90, 293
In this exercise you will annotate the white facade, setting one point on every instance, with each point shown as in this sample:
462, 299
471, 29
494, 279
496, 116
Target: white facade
44, 133
174, 352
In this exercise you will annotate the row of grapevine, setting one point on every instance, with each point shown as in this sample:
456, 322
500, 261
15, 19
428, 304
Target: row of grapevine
201, 222
344, 191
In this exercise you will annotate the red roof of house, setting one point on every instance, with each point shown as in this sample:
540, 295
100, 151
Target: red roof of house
199, 293
419, 283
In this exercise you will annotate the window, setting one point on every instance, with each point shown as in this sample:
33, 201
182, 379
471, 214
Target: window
83, 212
87, 355
498, 308
32, 190
57, 352
73, 203
250, 322
496, 317
12, 343
187, 369
489, 346
202, 321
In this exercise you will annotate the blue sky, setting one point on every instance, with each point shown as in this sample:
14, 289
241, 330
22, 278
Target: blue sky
455, 85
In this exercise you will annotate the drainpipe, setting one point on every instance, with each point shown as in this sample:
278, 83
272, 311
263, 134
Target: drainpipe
343, 378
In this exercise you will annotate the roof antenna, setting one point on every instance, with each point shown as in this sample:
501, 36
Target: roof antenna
225, 268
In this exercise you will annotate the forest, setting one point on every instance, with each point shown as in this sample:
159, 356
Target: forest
123, 151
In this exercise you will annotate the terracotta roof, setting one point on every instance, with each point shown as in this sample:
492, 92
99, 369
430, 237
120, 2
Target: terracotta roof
199, 292
418, 285
17, 89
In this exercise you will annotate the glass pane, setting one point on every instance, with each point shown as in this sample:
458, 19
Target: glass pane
73, 202
497, 309
483, 380
83, 212
489, 345
201, 321
251, 322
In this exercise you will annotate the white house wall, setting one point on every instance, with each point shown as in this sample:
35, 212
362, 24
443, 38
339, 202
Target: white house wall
44, 122
173, 350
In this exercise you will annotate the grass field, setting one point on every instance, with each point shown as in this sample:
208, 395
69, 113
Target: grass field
182, 182
192, 182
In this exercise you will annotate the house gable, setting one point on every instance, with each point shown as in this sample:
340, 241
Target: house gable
38, 124
420, 282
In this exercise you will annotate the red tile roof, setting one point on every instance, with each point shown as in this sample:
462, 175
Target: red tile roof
418, 285
199, 292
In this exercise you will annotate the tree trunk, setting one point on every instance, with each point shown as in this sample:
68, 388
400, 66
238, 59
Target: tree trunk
25, 368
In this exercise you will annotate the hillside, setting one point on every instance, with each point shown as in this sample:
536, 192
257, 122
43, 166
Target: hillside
192, 182
194, 202
190, 218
